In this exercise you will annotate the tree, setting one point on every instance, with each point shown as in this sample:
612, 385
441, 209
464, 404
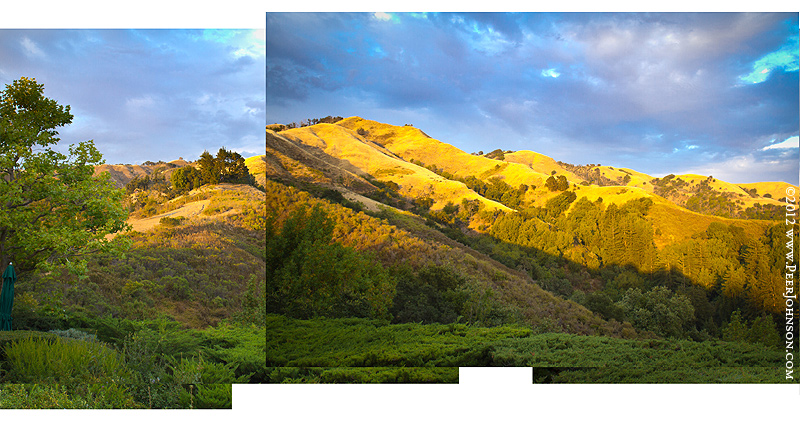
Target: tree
309, 275
186, 179
659, 310
53, 209
231, 167
209, 173
228, 166
551, 183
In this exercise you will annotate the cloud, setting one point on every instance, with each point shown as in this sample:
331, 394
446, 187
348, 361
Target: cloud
789, 143
550, 72
147, 94
31, 48
740, 169
382, 16
619, 85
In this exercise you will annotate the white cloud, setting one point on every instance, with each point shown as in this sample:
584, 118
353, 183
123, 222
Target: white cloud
31, 49
748, 168
550, 73
382, 16
789, 143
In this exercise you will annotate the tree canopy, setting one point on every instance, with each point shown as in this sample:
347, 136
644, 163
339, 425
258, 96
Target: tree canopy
53, 208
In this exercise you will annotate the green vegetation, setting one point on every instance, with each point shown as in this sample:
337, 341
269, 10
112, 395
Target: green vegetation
360, 350
171, 322
310, 277
591, 174
153, 365
492, 188
54, 211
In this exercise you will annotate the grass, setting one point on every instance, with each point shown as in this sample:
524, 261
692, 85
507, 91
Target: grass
367, 351
415, 181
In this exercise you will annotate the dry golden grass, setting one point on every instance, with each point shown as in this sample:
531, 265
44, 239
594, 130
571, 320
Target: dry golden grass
196, 210
524, 167
776, 189
411, 143
363, 157
679, 224
542, 164
257, 166
638, 179
383, 150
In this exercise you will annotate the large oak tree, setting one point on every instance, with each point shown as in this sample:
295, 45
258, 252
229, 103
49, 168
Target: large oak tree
52, 209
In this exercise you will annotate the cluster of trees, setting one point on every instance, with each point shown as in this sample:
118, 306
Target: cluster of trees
717, 271
704, 199
497, 154
591, 173
558, 183
494, 188
309, 276
227, 166
707, 201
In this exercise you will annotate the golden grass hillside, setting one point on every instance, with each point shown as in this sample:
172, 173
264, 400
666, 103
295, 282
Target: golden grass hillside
775, 189
676, 223
409, 142
361, 148
542, 164
518, 168
257, 166
638, 179
349, 152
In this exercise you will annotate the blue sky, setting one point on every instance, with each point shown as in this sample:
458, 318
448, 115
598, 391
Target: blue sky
152, 94
708, 93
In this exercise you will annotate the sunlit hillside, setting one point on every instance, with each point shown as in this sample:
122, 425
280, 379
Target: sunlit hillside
430, 234
340, 151
411, 143
257, 166
776, 190
541, 164
524, 167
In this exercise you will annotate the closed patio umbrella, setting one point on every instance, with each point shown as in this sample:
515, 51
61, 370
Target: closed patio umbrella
7, 298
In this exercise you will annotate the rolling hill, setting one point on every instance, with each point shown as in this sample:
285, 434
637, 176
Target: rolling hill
439, 242
398, 167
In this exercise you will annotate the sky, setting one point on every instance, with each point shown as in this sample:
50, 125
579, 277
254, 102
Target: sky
698, 93
150, 94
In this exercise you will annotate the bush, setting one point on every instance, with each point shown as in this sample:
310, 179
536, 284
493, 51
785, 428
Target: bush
171, 221
75, 334
63, 361
206, 384
659, 310
51, 396
310, 276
